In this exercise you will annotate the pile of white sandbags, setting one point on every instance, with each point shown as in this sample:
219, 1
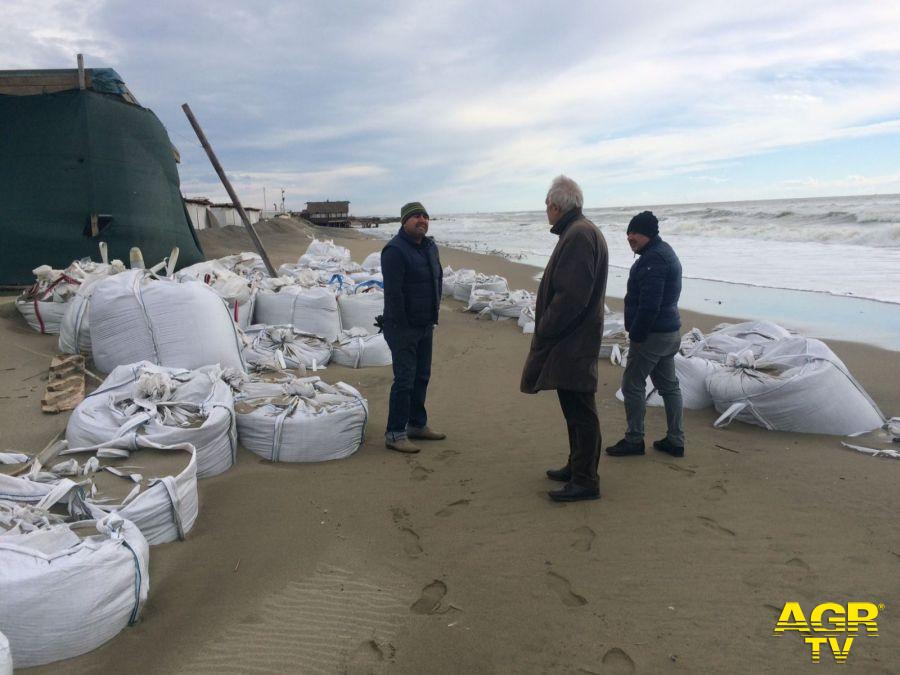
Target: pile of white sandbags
502, 306
760, 373
247, 264
301, 420
692, 374
65, 589
285, 347
45, 303
467, 281
357, 348
308, 309
238, 291
360, 306
137, 316
165, 406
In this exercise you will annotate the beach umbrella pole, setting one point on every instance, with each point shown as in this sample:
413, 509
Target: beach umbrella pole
231, 193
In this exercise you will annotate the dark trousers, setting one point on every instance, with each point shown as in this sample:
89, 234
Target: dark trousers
411, 354
580, 410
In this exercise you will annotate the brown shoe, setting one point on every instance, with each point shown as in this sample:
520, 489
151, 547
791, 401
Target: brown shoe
402, 445
425, 434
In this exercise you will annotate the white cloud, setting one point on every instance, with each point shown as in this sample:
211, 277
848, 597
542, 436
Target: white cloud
479, 104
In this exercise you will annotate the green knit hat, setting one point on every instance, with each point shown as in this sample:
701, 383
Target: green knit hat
411, 209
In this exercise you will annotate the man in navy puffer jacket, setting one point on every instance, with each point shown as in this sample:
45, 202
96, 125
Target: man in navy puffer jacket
413, 279
653, 323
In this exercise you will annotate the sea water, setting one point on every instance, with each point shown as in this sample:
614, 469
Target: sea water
829, 266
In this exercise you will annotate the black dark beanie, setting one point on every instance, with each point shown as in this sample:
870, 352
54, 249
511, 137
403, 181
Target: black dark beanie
644, 223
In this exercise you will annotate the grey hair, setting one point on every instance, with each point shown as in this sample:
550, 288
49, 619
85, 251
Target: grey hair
565, 194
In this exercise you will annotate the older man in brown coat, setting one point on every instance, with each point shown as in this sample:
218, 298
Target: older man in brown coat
567, 332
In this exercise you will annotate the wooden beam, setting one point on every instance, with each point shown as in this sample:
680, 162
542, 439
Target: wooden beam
230, 190
81, 84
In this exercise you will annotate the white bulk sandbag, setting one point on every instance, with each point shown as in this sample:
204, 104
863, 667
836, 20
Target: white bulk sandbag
295, 348
62, 595
304, 420
796, 384
291, 275
43, 316
372, 263
449, 280
464, 284
326, 249
6, 663
526, 320
692, 373
732, 338
135, 316
237, 291
166, 508
510, 305
359, 308
310, 310
44, 304
357, 348
166, 406
362, 277
163, 507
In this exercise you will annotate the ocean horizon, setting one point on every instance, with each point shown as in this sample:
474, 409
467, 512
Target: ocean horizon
801, 260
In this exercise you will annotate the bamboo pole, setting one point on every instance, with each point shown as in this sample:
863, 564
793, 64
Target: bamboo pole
228, 188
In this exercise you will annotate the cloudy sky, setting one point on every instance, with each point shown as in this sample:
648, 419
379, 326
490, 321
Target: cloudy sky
475, 106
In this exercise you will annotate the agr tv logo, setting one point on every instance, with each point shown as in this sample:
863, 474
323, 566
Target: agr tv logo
830, 624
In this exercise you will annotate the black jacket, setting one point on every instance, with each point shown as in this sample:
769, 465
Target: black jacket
413, 279
654, 286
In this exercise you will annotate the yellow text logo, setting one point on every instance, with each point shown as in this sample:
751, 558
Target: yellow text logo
830, 626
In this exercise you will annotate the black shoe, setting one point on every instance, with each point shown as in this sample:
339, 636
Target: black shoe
625, 447
574, 493
666, 446
563, 475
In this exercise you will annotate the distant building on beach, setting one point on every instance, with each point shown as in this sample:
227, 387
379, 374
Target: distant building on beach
205, 215
333, 214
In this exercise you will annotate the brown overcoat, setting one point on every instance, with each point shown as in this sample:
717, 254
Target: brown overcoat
569, 310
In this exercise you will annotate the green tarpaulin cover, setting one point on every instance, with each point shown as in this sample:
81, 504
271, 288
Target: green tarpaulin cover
70, 155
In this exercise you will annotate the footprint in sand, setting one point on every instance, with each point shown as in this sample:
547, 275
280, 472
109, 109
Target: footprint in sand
711, 524
430, 599
716, 492
366, 653
680, 469
419, 472
447, 454
399, 514
450, 508
585, 539
411, 544
617, 662
563, 588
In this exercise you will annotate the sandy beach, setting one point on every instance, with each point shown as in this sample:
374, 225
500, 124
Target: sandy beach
454, 560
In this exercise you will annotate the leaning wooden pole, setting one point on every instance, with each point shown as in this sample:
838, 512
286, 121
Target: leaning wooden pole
228, 188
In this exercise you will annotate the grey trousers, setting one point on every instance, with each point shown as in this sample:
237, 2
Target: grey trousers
654, 357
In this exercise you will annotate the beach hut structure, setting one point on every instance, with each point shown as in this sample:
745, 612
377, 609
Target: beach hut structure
82, 162
223, 215
333, 214
198, 211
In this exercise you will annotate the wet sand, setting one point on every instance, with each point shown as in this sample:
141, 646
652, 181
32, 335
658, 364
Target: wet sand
454, 560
